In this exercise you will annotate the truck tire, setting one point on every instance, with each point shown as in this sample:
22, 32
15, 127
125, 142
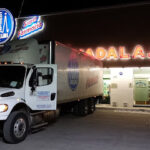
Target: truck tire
91, 104
1, 128
75, 109
83, 107
16, 127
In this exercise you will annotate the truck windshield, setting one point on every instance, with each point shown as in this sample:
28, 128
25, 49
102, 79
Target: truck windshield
12, 76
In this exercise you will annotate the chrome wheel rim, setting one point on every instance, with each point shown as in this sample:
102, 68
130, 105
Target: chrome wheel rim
19, 127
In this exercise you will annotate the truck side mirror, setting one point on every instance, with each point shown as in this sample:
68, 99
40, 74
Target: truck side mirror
33, 85
33, 80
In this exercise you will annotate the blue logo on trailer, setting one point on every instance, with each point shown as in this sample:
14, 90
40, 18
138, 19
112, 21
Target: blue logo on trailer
73, 73
7, 25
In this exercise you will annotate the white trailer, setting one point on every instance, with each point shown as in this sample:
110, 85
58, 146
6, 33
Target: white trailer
38, 79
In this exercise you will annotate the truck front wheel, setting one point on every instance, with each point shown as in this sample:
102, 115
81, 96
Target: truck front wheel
16, 127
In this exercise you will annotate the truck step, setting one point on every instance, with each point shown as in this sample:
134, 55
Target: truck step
37, 113
38, 127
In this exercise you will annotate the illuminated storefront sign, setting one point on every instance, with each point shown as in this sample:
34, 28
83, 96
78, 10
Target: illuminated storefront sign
120, 53
7, 25
30, 27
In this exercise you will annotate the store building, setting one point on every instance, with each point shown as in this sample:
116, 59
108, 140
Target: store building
124, 48
126, 76
127, 87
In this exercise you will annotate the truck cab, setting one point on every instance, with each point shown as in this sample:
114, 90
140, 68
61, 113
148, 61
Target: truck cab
25, 89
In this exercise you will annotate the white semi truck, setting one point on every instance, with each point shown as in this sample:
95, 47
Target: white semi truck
37, 80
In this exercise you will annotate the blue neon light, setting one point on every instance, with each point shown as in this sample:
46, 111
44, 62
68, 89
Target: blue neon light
7, 25
30, 27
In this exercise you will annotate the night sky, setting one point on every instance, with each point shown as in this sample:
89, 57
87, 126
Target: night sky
113, 26
90, 23
32, 7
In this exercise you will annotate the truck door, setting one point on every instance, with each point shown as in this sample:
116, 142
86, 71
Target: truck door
41, 87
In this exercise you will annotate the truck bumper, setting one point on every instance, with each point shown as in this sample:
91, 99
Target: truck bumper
3, 117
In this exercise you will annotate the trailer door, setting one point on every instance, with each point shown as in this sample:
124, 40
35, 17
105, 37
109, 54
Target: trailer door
41, 87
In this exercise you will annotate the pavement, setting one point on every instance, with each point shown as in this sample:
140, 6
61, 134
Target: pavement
102, 130
124, 109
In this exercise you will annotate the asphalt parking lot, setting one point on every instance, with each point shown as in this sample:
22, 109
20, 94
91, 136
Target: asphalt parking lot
103, 130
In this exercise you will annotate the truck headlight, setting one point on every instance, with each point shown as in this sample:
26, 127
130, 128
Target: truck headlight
3, 107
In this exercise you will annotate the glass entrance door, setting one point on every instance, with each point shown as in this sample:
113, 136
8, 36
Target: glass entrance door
141, 91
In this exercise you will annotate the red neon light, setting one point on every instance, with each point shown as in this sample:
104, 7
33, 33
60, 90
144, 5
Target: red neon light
100, 53
122, 53
30, 29
148, 55
89, 51
138, 52
30, 21
112, 53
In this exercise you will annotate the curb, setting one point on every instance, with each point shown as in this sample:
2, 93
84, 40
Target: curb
139, 110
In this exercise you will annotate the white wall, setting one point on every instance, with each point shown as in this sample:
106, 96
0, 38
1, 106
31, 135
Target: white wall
121, 91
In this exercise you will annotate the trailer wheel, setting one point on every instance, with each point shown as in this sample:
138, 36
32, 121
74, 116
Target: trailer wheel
83, 107
75, 109
91, 104
16, 127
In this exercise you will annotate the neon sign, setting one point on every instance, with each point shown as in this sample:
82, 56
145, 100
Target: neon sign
112, 53
7, 25
30, 27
